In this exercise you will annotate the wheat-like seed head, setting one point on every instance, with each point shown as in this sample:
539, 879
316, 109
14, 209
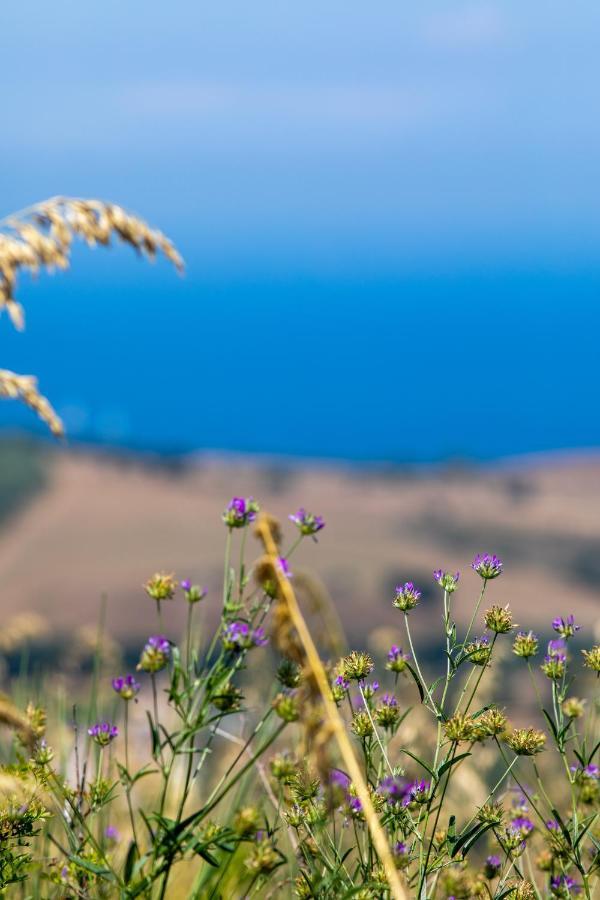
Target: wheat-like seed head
40, 237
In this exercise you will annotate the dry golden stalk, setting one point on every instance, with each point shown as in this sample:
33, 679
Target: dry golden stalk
334, 720
24, 387
40, 237
15, 719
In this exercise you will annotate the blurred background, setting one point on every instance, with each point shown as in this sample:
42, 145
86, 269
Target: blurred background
391, 223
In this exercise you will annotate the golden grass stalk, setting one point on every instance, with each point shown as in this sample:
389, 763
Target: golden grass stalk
16, 720
334, 720
40, 237
24, 388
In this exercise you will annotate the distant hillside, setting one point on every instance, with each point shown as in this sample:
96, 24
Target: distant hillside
102, 524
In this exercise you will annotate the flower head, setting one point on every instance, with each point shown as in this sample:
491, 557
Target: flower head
286, 707
499, 619
407, 596
591, 658
417, 792
401, 853
493, 721
573, 707
307, 523
156, 654
564, 886
240, 511
193, 592
487, 565
555, 660
492, 866
565, 627
103, 733
356, 666
161, 586
523, 825
339, 688
228, 699
387, 713
446, 580
525, 644
126, 686
526, 741
238, 636
111, 833
393, 788
396, 659
479, 650
459, 728
492, 813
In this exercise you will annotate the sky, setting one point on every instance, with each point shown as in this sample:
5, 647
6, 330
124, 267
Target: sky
389, 214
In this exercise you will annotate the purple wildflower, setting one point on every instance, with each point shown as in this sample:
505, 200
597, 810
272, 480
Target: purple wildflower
240, 511
354, 806
393, 788
487, 565
307, 523
284, 567
103, 733
591, 771
111, 833
556, 647
564, 885
552, 825
339, 779
492, 866
566, 628
446, 580
340, 681
126, 686
185, 585
407, 596
238, 636
402, 854
523, 825
156, 654
555, 659
396, 659
416, 792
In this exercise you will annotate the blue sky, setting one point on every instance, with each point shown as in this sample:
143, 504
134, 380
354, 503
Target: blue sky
432, 163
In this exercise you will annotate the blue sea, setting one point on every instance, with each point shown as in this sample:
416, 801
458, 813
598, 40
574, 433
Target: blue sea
421, 365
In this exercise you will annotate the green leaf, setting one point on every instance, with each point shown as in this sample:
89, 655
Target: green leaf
563, 827
466, 840
92, 867
130, 862
154, 735
208, 857
451, 829
582, 833
551, 724
420, 761
449, 763
417, 681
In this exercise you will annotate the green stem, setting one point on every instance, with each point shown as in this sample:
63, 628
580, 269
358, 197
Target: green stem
374, 727
475, 611
416, 662
483, 668
128, 786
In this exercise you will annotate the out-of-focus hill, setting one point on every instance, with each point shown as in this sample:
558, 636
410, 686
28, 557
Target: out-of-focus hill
101, 524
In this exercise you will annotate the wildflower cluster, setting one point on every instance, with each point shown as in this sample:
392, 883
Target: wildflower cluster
278, 784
